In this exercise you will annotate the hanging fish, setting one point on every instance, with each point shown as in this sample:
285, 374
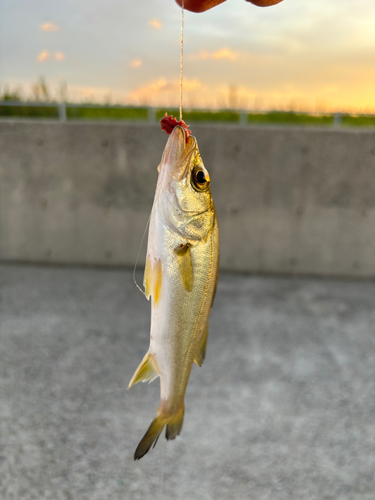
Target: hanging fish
181, 275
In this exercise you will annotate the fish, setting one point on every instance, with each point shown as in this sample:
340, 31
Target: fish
181, 275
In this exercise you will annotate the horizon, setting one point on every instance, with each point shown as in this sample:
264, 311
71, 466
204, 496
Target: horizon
294, 56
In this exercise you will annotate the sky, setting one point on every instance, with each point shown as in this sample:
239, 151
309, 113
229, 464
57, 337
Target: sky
313, 55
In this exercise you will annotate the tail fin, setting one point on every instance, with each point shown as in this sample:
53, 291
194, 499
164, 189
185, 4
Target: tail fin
174, 426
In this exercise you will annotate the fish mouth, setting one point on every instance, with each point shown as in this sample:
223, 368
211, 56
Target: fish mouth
177, 153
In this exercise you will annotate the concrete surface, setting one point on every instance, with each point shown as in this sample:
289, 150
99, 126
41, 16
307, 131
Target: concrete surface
289, 200
282, 409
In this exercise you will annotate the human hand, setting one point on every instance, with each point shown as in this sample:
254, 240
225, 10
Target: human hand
202, 5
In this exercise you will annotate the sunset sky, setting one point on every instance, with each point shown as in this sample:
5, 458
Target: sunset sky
316, 55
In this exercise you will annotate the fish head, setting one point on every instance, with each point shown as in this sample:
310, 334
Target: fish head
184, 187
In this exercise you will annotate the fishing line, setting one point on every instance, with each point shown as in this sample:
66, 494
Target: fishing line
181, 81
182, 56
136, 260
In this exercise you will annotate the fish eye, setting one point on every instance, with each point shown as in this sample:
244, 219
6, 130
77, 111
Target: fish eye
200, 179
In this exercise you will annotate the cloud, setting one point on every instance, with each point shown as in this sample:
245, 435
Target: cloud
59, 56
136, 63
218, 54
43, 56
156, 24
160, 87
50, 27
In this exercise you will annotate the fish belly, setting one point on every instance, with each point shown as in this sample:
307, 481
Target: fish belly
179, 316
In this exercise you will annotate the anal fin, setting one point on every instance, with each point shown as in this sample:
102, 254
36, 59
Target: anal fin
146, 371
199, 358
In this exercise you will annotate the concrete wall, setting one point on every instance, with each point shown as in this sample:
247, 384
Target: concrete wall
289, 200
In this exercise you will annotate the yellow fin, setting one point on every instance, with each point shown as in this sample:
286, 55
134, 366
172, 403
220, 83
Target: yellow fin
216, 282
174, 426
151, 437
157, 280
199, 358
185, 266
152, 279
146, 371
147, 278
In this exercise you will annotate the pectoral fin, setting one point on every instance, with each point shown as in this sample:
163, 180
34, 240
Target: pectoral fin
199, 358
146, 371
185, 266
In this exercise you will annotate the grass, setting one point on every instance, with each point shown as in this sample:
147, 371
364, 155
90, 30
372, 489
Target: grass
290, 118
358, 121
106, 113
223, 116
28, 112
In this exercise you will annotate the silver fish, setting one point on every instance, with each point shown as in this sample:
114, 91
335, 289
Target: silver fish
181, 276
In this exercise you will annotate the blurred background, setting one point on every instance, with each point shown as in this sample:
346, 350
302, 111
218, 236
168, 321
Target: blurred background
281, 101
304, 57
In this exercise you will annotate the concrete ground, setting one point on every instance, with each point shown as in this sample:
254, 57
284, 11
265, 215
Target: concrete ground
283, 407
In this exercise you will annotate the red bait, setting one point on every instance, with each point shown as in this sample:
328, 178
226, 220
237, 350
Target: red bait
168, 123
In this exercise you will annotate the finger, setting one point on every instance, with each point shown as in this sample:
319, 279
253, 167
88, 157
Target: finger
264, 3
199, 5
203, 5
